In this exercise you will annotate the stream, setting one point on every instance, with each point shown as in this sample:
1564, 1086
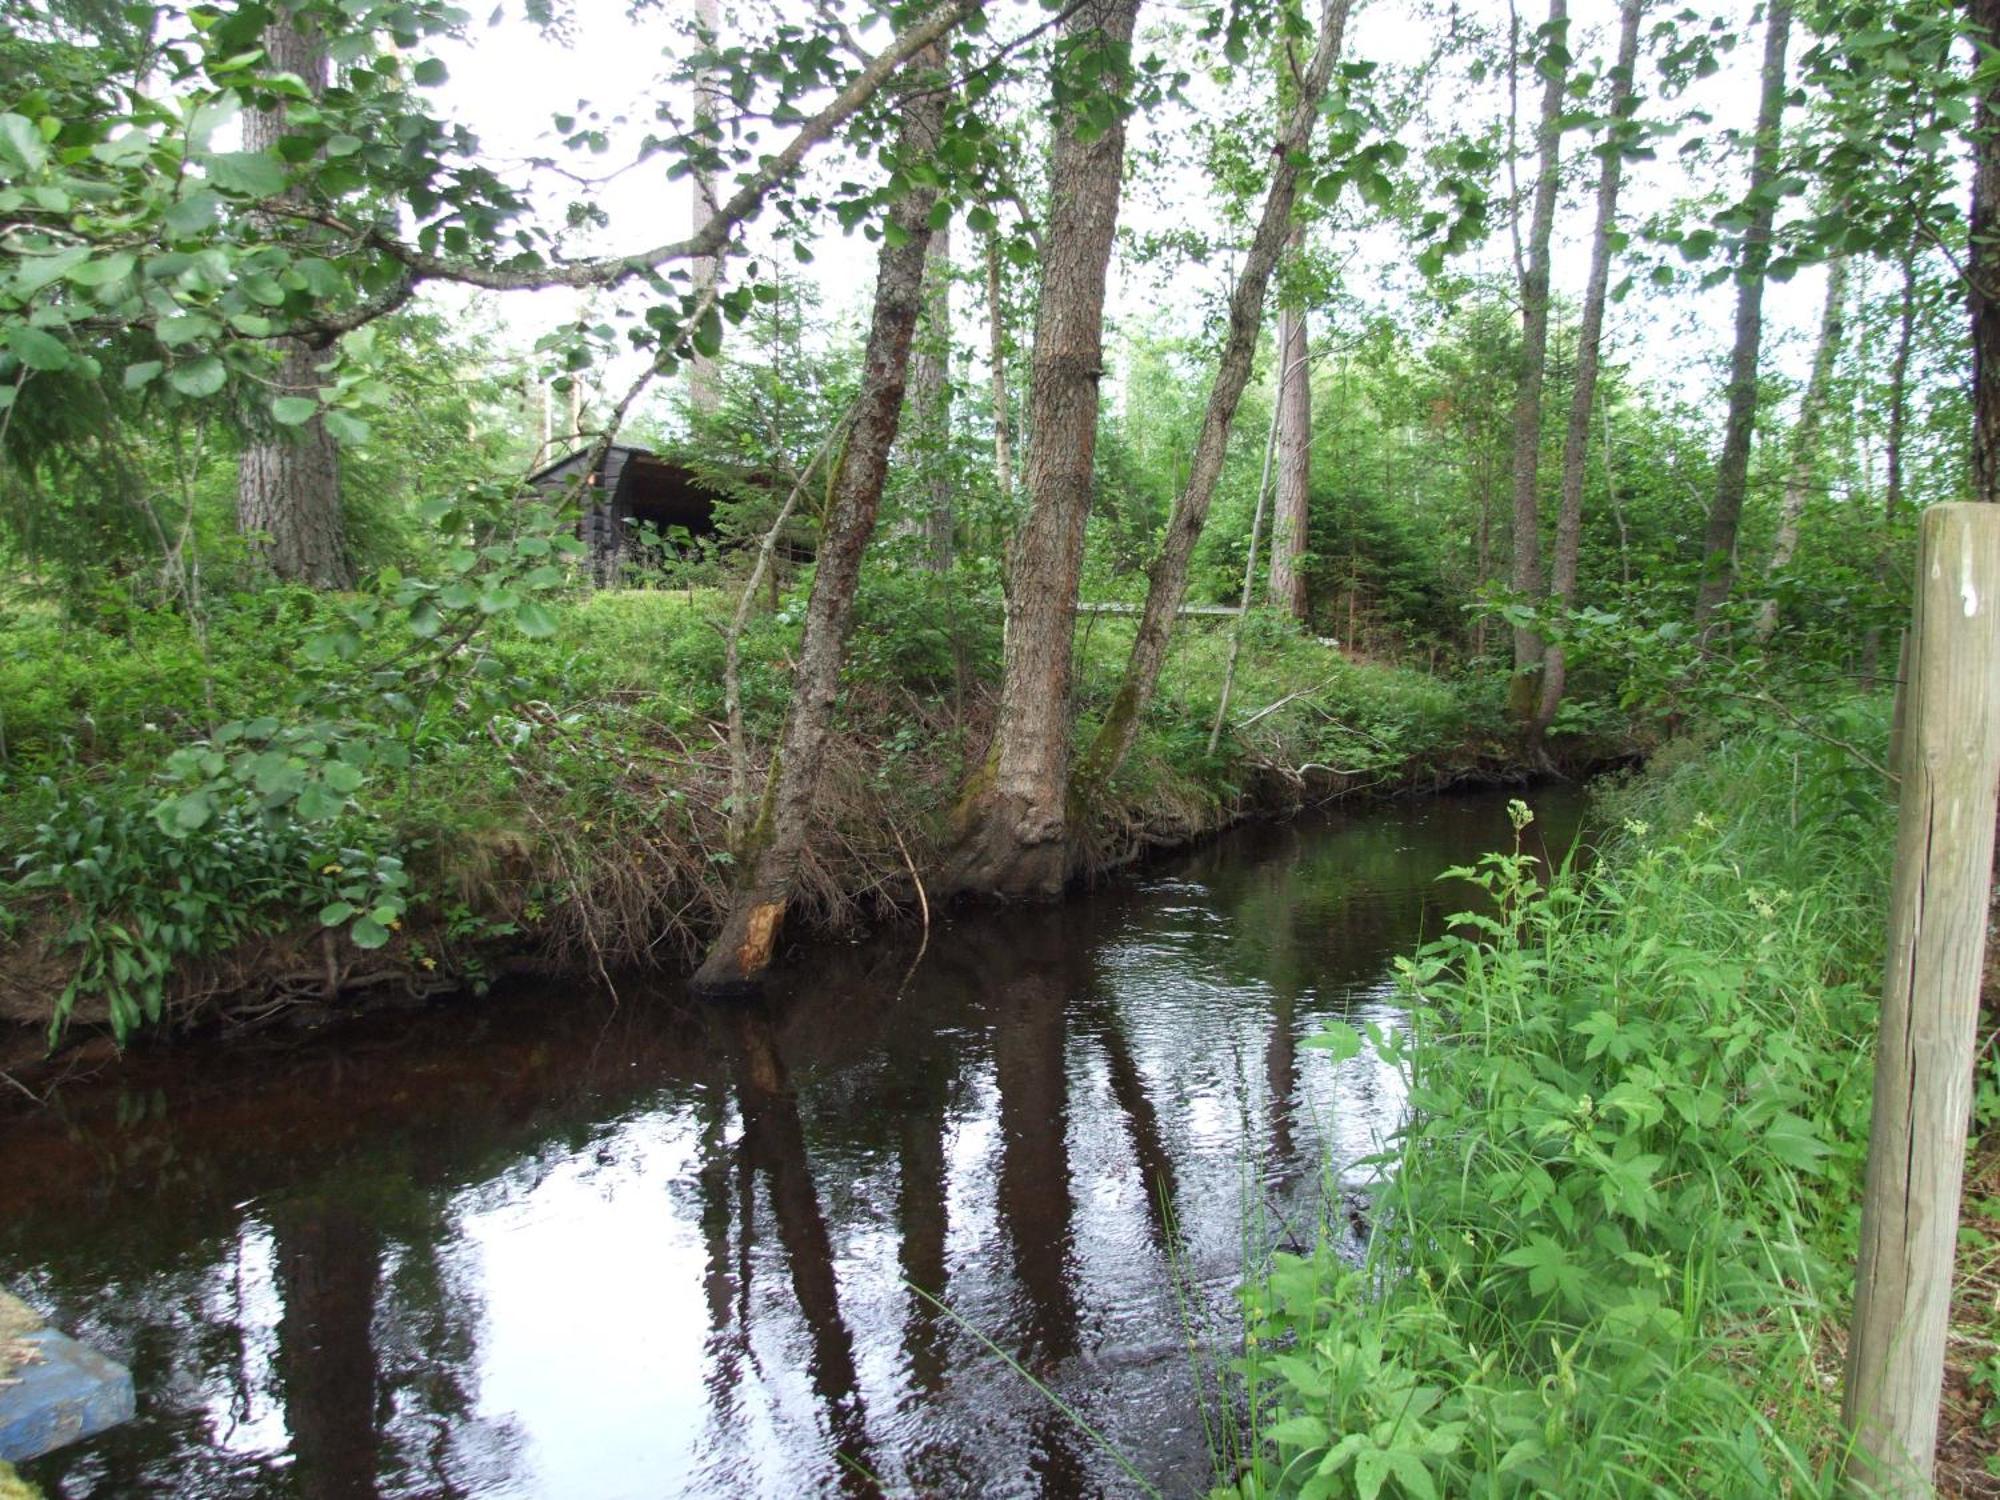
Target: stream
548, 1244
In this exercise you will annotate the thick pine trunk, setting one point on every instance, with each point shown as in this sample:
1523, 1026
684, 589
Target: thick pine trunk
1732, 470
1805, 437
1168, 575
1526, 576
1014, 825
1291, 519
768, 865
1589, 348
288, 482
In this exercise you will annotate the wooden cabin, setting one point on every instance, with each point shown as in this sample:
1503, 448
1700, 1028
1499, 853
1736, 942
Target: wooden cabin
630, 488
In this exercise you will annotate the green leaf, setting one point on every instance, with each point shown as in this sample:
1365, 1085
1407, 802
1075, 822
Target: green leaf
343, 778
182, 328
249, 174
36, 349
22, 148
368, 933
195, 214
193, 810
429, 73
143, 373
37, 271
113, 267
535, 621
199, 377
292, 411
346, 428
334, 913
317, 803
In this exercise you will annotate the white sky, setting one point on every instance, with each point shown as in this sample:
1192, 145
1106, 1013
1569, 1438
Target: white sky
508, 79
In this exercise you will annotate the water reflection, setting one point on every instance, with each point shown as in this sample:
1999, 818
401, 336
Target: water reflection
546, 1247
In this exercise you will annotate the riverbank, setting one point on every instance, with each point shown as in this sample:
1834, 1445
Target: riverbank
1614, 1248
560, 804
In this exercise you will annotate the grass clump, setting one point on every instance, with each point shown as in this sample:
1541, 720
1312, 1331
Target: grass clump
1614, 1240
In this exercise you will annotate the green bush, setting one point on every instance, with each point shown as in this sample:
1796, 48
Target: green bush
1623, 1207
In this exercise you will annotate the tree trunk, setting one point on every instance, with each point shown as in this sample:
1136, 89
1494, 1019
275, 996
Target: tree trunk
1013, 824
1983, 268
769, 861
1589, 342
1289, 522
1892, 489
930, 409
704, 388
1805, 437
1732, 470
996, 334
1899, 387
288, 482
1168, 575
1526, 576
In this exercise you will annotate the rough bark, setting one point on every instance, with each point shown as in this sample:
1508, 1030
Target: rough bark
1166, 587
1732, 470
288, 482
1526, 576
1983, 269
1290, 520
996, 336
930, 409
768, 864
1589, 348
1013, 836
704, 389
1805, 437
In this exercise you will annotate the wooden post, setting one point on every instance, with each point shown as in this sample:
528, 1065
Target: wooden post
1950, 768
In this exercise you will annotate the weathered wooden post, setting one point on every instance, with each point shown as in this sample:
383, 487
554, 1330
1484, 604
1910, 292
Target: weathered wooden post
1950, 769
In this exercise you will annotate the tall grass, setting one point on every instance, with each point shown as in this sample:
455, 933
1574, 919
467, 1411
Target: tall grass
1615, 1237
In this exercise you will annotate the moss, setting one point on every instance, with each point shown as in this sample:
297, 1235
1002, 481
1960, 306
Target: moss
13, 1486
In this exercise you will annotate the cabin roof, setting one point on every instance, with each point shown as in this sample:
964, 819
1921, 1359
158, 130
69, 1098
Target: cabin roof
638, 484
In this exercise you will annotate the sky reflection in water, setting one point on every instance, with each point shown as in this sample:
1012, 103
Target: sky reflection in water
541, 1246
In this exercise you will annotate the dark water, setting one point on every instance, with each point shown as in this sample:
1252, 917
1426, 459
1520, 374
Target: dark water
544, 1246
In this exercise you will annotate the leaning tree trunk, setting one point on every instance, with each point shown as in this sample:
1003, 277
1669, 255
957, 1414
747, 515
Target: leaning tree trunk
1805, 437
1168, 575
1291, 519
1527, 571
1589, 348
768, 863
1732, 469
288, 483
1013, 833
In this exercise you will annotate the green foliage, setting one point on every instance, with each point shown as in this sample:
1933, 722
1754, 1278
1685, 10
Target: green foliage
137, 893
1623, 1207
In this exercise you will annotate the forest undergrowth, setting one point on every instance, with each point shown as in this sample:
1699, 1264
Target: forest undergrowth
1614, 1242
203, 830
